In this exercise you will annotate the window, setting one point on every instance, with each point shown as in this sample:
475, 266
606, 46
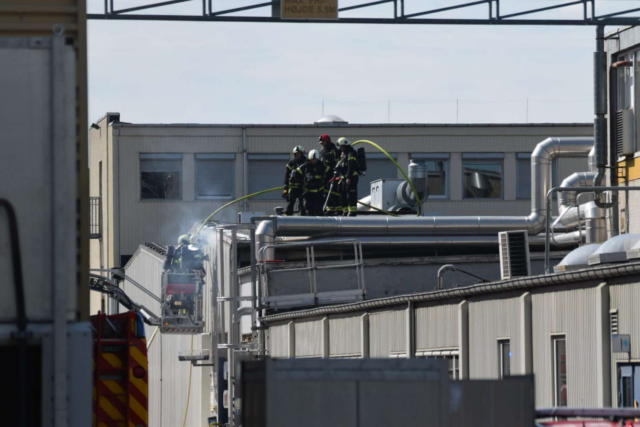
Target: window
160, 176
266, 171
628, 385
438, 169
482, 175
378, 167
523, 172
215, 176
559, 344
504, 353
452, 356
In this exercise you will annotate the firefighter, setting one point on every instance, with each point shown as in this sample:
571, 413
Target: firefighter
293, 182
349, 173
174, 255
330, 156
196, 257
313, 174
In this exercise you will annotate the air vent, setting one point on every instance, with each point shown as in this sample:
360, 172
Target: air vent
624, 133
514, 254
613, 319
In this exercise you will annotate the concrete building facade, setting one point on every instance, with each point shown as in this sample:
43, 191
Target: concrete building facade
199, 168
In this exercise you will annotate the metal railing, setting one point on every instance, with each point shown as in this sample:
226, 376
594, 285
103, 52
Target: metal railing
314, 296
95, 224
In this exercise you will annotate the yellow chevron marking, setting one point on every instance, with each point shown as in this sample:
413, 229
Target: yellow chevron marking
110, 410
138, 409
113, 360
139, 357
140, 384
114, 387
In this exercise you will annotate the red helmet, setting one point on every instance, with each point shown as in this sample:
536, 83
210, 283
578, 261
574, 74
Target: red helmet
324, 138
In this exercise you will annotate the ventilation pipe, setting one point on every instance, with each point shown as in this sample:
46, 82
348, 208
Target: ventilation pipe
541, 162
600, 109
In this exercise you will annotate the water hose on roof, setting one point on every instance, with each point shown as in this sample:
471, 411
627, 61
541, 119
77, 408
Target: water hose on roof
399, 167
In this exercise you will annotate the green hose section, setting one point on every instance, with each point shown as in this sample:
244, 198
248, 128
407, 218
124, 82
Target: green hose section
415, 192
379, 210
399, 167
236, 201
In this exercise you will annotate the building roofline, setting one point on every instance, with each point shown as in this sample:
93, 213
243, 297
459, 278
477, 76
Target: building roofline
352, 125
531, 282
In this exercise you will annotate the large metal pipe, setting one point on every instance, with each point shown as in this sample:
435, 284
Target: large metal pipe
541, 163
568, 211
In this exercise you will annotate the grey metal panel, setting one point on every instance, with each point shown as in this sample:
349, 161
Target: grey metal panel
168, 377
436, 326
345, 335
624, 298
278, 340
309, 338
489, 320
387, 333
573, 313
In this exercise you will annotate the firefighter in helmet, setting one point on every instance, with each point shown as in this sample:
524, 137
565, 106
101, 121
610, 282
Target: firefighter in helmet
329, 155
293, 182
348, 170
313, 174
174, 255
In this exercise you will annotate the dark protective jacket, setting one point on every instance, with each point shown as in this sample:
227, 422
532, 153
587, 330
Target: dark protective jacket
313, 175
187, 259
330, 155
348, 167
292, 165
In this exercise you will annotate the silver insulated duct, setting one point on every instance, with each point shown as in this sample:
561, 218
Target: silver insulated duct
541, 163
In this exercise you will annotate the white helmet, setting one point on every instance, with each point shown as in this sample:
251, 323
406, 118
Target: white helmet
342, 141
298, 149
314, 154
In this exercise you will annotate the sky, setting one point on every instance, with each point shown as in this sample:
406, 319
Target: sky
250, 73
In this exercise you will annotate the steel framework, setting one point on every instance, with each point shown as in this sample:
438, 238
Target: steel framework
396, 13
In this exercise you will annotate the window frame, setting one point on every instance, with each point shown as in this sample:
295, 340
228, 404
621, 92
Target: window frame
481, 159
501, 359
446, 157
160, 156
451, 354
555, 338
213, 156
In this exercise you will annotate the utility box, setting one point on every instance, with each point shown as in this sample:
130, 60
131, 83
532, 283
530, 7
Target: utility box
383, 193
378, 393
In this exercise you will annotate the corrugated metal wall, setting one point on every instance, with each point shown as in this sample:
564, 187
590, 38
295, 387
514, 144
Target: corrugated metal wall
168, 377
572, 313
490, 320
625, 299
345, 336
278, 339
387, 333
436, 327
309, 338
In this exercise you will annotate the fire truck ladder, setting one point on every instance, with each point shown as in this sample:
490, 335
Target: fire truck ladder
110, 288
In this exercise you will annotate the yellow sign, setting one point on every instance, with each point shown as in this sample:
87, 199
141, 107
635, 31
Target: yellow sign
309, 9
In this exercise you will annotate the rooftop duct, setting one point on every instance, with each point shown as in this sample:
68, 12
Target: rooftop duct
541, 162
576, 259
330, 119
614, 249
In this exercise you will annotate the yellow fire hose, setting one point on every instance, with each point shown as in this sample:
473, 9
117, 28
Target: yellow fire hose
399, 167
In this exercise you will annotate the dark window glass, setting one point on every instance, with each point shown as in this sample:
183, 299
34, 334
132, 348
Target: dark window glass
483, 179
215, 176
560, 370
523, 173
161, 176
505, 358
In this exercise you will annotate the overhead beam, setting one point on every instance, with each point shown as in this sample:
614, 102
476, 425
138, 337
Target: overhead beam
395, 21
